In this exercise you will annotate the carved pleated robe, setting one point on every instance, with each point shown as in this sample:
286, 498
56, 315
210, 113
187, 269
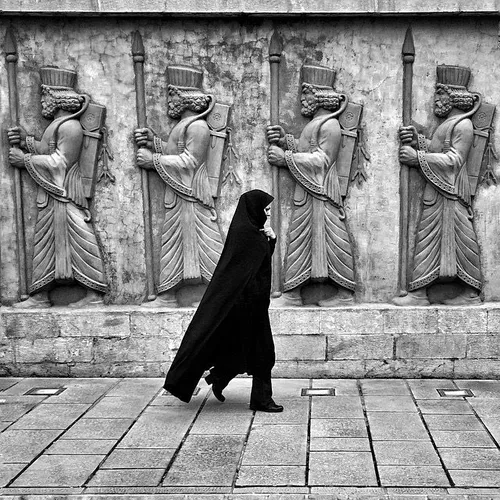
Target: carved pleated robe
230, 330
191, 242
65, 247
319, 246
447, 246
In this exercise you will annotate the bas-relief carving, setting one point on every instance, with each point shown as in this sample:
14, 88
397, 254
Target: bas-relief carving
450, 161
319, 246
63, 165
189, 163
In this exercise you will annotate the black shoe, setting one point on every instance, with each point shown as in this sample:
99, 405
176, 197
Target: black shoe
270, 407
216, 387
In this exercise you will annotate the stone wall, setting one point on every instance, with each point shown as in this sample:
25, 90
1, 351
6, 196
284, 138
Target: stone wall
233, 53
372, 341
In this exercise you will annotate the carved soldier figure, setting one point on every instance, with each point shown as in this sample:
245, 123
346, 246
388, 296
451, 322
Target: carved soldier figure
319, 246
191, 241
65, 245
446, 241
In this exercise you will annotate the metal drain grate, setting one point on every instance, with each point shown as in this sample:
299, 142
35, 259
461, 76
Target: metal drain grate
458, 393
318, 392
45, 391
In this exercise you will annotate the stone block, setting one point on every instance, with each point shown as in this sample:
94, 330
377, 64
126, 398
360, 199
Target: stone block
445, 406
412, 475
405, 368
54, 416
359, 347
81, 447
390, 404
453, 423
159, 323
101, 323
277, 475
381, 387
404, 427
320, 369
476, 368
30, 324
53, 350
24, 445
227, 424
339, 444
483, 389
129, 477
419, 453
486, 408
483, 346
344, 468
336, 407
464, 439
494, 320
338, 428
300, 348
429, 346
301, 321
411, 320
9, 472
206, 461
471, 458
56, 470
149, 458
351, 321
427, 388
479, 479
99, 428
462, 320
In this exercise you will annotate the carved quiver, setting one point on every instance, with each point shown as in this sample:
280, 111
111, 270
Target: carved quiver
217, 121
92, 122
349, 122
481, 120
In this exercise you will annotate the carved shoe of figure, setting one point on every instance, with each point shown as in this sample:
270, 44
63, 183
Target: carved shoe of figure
161, 301
412, 299
466, 298
287, 299
92, 299
37, 301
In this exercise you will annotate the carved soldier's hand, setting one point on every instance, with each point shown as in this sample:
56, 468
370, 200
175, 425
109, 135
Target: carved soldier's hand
16, 157
144, 137
276, 156
145, 159
408, 135
17, 136
275, 134
408, 156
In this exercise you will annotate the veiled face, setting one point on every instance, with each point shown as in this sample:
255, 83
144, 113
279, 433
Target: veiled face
309, 103
267, 211
442, 103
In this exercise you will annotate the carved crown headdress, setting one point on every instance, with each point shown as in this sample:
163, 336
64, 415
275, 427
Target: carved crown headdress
319, 76
185, 77
58, 78
453, 76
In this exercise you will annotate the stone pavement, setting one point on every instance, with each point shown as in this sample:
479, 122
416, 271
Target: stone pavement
126, 438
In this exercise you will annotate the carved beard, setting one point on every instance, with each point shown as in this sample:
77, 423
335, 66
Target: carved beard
49, 110
175, 110
308, 110
442, 110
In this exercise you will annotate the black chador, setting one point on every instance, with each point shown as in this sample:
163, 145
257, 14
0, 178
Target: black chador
230, 332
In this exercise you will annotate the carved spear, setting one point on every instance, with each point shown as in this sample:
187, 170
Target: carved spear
408, 54
11, 57
140, 99
275, 50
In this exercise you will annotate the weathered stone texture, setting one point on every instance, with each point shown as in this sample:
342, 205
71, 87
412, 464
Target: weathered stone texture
296, 347
359, 347
427, 346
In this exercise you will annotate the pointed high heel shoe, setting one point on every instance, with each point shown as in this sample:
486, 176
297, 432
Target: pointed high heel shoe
216, 387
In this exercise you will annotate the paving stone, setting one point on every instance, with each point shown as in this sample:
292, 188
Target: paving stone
271, 475
347, 493
225, 423
276, 445
471, 458
128, 477
82, 392
56, 470
343, 387
289, 389
453, 422
418, 491
4, 425
478, 478
390, 404
295, 412
463, 439
136, 386
216, 408
119, 407
405, 453
403, 426
339, 444
237, 392
24, 445
412, 476
9, 472
493, 425
159, 427
341, 468
149, 458
98, 428
206, 461
445, 407
54, 416
338, 428
488, 389
81, 447
11, 411
29, 383
427, 389
381, 387
337, 407
7, 382
486, 407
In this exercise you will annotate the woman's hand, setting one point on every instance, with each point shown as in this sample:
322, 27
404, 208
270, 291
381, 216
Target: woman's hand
268, 231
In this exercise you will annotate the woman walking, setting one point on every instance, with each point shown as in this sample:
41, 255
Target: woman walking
230, 332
